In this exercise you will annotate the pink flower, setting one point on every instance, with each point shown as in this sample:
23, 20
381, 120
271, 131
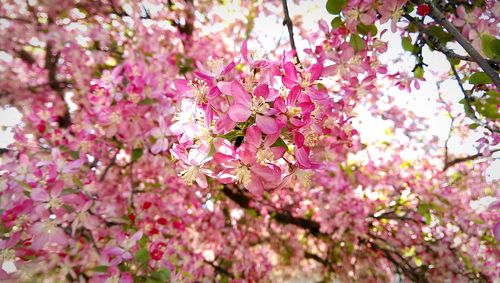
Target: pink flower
47, 233
241, 166
161, 134
244, 106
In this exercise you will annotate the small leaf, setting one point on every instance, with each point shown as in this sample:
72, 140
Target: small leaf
337, 22
364, 29
479, 78
473, 126
425, 210
231, 136
147, 101
101, 268
335, 6
137, 153
162, 275
357, 42
142, 256
418, 72
491, 46
441, 35
280, 142
407, 44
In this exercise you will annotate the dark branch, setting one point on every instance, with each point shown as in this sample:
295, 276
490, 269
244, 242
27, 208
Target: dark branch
289, 24
466, 158
284, 217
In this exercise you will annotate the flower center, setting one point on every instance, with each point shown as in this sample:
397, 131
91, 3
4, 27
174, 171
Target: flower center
259, 105
263, 156
243, 175
189, 175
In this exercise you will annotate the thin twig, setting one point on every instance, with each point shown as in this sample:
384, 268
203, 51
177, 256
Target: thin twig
111, 163
466, 158
288, 22
468, 104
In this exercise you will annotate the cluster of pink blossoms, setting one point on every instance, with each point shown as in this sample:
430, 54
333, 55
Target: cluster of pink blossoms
259, 129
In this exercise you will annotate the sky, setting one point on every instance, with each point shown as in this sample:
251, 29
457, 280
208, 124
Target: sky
422, 102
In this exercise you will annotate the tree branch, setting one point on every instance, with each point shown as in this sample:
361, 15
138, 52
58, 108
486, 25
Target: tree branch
441, 19
289, 24
284, 217
468, 104
433, 42
466, 158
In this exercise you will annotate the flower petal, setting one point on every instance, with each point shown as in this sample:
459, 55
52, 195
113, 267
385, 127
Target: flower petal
240, 95
266, 124
239, 113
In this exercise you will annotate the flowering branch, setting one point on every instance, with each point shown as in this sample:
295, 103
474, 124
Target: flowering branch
468, 103
441, 19
433, 42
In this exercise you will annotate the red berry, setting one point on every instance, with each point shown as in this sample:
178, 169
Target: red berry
41, 127
146, 205
162, 221
131, 216
423, 10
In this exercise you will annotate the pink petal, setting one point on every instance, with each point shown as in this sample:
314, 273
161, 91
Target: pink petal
266, 124
255, 186
244, 51
262, 90
288, 83
253, 136
315, 71
228, 68
182, 86
293, 95
290, 71
239, 113
240, 94
40, 194
302, 157
268, 173
224, 125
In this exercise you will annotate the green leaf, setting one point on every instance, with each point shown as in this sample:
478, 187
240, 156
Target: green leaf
142, 256
425, 210
364, 29
357, 42
479, 78
418, 72
101, 268
407, 44
280, 142
337, 22
231, 136
143, 241
454, 61
74, 154
441, 35
162, 275
335, 6
137, 153
147, 101
473, 126
491, 46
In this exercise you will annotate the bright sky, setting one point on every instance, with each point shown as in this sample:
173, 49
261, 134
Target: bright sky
422, 102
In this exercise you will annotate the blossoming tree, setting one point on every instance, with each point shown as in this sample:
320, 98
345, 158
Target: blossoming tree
156, 145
